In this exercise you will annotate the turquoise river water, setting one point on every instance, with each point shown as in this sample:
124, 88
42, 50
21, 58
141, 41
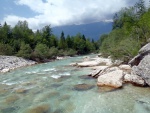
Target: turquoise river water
56, 87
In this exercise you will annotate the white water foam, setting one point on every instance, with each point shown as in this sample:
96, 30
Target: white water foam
10, 83
52, 69
32, 72
64, 74
44, 77
55, 76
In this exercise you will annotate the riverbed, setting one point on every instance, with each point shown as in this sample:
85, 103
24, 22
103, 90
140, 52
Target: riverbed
57, 87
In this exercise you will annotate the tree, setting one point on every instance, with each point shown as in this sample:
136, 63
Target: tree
5, 34
140, 8
22, 32
46, 35
53, 52
62, 42
25, 51
5, 49
69, 41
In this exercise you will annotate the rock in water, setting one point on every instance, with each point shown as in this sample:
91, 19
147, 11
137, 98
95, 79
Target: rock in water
135, 79
112, 79
43, 108
143, 69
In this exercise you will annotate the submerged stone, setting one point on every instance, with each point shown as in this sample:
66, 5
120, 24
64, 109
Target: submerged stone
43, 108
11, 99
21, 90
83, 87
64, 97
44, 96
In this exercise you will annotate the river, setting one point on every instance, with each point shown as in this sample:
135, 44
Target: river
56, 87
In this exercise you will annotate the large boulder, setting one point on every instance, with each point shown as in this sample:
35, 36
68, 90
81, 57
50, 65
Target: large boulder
145, 50
141, 63
96, 62
112, 79
143, 69
88, 64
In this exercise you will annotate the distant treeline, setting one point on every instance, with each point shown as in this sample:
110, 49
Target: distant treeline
131, 30
42, 44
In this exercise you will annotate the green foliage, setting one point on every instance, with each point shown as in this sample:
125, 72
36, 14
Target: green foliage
131, 30
5, 49
62, 42
68, 52
25, 51
41, 51
53, 52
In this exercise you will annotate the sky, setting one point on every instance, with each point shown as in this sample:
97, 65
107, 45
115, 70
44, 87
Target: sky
39, 13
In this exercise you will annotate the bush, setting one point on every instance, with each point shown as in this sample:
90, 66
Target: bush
118, 45
70, 52
67, 52
25, 51
41, 51
53, 52
5, 49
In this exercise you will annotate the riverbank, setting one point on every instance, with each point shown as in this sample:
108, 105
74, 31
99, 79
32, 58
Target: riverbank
8, 63
116, 74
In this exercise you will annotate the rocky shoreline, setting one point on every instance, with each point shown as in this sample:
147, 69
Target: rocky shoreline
115, 74
8, 63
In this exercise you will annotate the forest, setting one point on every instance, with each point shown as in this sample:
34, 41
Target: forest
131, 31
43, 44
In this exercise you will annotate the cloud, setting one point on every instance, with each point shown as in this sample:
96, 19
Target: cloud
66, 12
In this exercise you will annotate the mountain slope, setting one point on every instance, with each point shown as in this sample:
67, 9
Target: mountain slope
92, 30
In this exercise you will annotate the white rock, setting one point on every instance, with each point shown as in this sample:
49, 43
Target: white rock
88, 64
5, 70
73, 64
108, 70
113, 79
125, 67
135, 79
8, 63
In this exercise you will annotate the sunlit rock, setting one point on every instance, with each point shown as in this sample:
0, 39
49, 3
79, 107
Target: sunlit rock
134, 79
113, 79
